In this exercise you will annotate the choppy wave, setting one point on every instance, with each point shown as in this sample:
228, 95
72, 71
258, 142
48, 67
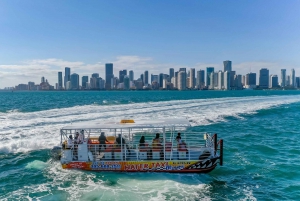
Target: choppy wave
21, 132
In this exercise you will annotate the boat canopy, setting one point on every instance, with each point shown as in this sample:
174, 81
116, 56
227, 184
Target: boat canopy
130, 123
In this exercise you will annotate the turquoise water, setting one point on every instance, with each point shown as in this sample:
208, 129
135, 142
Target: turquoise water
260, 131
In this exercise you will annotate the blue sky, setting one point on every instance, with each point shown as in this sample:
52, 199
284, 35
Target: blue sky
42, 37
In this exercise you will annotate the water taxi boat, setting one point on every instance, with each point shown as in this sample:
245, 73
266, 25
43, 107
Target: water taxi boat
163, 145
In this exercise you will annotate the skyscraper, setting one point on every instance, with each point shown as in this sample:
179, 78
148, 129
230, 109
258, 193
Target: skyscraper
84, 80
293, 78
126, 82
227, 80
232, 77
192, 78
122, 74
161, 79
227, 66
283, 77
109, 74
171, 73
181, 80
274, 81
146, 77
200, 82
60, 80
209, 70
131, 75
251, 79
264, 78
74, 81
67, 75
220, 80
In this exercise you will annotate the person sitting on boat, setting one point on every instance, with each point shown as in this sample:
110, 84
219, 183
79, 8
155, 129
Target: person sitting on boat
156, 142
70, 142
143, 143
102, 141
119, 139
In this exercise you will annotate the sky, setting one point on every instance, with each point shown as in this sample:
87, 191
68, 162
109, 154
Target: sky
39, 38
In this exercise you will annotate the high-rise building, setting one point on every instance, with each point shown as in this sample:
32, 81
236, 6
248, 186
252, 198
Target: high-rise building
59, 86
67, 76
171, 73
238, 82
227, 80
122, 74
220, 80
200, 82
297, 82
209, 70
181, 80
131, 75
274, 81
74, 81
264, 78
215, 80
232, 82
42, 79
30, 85
182, 69
283, 77
293, 78
126, 82
146, 76
251, 79
161, 80
192, 78
84, 80
227, 66
109, 74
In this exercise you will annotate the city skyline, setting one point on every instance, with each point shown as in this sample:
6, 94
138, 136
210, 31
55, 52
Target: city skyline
38, 40
183, 79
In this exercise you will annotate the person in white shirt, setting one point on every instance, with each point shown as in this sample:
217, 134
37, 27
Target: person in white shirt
81, 137
70, 142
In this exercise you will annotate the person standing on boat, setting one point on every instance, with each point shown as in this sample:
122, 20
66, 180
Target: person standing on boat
81, 137
70, 142
102, 141
178, 136
119, 139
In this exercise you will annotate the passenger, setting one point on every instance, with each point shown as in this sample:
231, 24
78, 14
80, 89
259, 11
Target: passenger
70, 142
142, 142
102, 141
156, 142
178, 136
76, 140
119, 139
81, 137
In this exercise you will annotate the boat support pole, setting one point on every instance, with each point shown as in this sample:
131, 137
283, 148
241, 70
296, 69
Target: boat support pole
221, 152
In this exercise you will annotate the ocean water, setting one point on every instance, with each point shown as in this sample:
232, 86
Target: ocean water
261, 133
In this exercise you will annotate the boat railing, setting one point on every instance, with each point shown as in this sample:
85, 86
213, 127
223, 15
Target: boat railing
191, 149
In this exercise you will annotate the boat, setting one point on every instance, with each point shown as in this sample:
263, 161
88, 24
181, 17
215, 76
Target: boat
167, 145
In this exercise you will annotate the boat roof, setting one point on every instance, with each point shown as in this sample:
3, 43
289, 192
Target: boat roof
158, 123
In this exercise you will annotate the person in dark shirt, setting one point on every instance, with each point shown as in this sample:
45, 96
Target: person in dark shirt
119, 139
178, 137
102, 141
